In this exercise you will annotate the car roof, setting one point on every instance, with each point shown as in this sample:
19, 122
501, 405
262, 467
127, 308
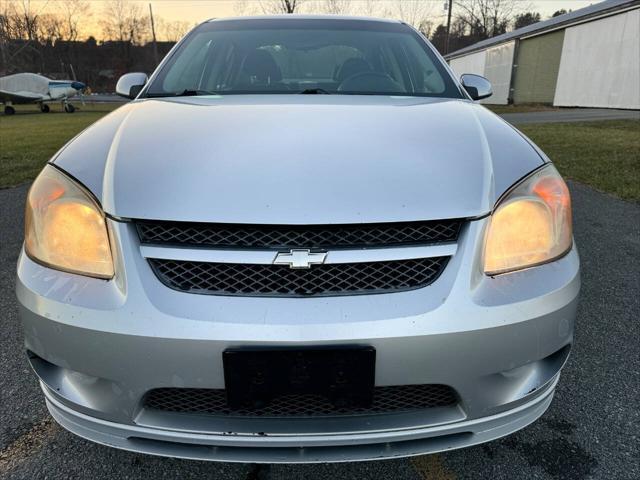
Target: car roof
296, 17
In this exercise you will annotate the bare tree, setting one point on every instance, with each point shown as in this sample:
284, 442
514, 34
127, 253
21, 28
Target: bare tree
171, 31
335, 7
4, 39
280, 6
124, 21
8, 16
24, 19
369, 8
413, 12
19, 20
425, 27
49, 28
487, 18
73, 13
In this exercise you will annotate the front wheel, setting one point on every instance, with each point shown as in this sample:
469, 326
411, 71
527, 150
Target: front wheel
44, 108
69, 108
9, 110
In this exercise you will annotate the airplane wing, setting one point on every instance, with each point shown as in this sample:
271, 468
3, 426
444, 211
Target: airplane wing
20, 97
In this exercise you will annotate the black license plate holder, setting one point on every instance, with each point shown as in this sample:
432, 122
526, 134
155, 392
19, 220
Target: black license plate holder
254, 377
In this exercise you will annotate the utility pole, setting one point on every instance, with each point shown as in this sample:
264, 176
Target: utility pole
446, 44
153, 33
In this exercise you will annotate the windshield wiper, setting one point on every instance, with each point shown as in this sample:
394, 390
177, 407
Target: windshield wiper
315, 91
185, 93
193, 93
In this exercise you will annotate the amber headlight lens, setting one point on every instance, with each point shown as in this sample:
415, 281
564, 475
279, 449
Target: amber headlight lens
531, 225
65, 228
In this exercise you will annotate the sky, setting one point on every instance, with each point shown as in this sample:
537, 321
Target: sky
196, 11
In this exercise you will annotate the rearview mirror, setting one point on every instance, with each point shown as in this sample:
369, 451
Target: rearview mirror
130, 84
476, 86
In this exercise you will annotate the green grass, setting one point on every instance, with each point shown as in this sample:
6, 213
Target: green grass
604, 155
29, 138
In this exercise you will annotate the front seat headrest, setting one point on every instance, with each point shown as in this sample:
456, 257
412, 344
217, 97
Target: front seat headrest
261, 68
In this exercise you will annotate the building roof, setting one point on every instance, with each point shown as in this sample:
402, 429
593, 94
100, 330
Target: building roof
604, 7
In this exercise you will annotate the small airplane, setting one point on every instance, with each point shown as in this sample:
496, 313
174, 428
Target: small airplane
33, 88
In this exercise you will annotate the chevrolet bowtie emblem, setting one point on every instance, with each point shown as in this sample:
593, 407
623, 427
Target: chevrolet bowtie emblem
300, 258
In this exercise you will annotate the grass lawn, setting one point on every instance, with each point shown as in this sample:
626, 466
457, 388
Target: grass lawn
29, 138
604, 155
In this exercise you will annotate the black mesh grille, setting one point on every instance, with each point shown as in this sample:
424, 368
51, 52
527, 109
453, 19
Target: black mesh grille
332, 279
287, 236
385, 400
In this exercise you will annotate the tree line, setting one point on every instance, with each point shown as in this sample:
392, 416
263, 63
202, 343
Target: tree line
472, 20
53, 40
48, 38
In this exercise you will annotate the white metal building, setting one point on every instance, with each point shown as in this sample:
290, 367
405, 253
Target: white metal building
586, 58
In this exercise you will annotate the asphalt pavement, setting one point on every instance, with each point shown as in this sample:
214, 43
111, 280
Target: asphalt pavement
105, 98
590, 431
571, 115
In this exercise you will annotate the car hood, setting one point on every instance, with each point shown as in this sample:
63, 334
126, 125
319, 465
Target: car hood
299, 159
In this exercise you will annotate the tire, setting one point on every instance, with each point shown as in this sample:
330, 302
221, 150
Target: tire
9, 110
69, 108
44, 108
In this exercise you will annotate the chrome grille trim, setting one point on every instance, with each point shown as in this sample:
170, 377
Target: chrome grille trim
266, 257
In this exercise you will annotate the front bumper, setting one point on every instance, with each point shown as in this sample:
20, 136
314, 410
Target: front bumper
98, 347
264, 448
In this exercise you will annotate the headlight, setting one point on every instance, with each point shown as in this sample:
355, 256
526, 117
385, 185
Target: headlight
65, 228
531, 225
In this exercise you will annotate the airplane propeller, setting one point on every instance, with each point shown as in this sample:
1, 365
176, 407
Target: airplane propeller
80, 88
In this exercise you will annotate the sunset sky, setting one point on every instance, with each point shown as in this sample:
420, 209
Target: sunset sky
198, 10
195, 11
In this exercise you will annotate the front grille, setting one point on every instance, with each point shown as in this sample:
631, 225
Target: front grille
288, 236
328, 279
396, 399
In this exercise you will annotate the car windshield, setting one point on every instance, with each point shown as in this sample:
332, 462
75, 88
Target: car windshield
311, 56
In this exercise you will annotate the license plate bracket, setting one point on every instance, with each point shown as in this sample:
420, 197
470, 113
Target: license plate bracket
254, 377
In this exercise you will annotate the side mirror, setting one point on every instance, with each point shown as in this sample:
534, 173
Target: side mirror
130, 84
476, 86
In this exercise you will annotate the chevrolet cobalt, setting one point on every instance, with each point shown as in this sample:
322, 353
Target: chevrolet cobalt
302, 241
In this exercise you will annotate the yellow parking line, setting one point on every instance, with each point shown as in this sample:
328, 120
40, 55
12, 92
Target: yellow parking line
431, 467
26, 445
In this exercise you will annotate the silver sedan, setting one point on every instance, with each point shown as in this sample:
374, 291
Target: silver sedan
302, 241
